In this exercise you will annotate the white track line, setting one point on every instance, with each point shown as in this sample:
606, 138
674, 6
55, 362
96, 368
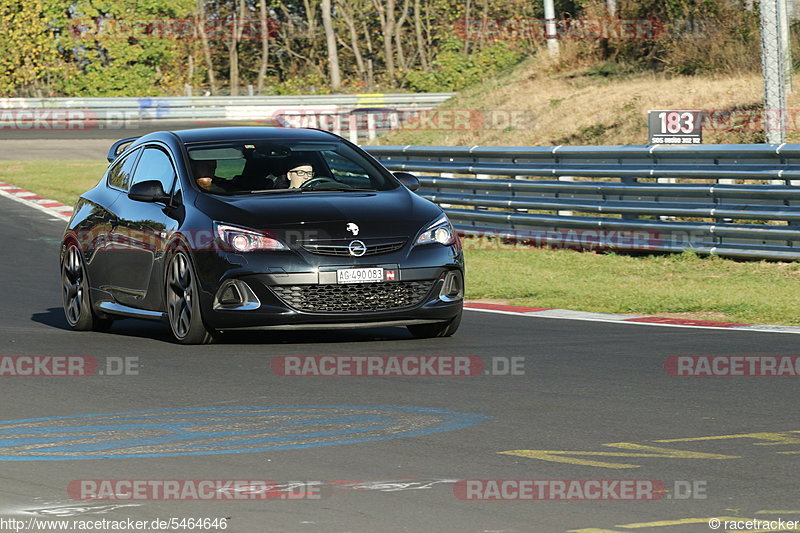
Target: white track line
591, 317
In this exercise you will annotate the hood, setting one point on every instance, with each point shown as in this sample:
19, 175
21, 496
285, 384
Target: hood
326, 215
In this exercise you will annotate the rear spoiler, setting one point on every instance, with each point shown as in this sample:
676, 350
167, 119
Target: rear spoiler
115, 149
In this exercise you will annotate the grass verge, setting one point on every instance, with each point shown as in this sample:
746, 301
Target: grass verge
682, 285
677, 285
62, 180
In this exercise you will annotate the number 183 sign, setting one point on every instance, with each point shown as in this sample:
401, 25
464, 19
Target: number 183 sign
675, 127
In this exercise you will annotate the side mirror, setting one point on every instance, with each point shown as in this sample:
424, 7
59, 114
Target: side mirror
148, 191
409, 180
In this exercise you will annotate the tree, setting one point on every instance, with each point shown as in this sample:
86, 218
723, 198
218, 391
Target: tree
152, 47
348, 10
28, 58
264, 37
386, 16
200, 24
330, 39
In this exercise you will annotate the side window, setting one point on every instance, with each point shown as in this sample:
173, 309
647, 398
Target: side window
120, 175
155, 164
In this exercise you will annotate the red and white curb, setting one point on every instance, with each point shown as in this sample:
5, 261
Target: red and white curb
51, 207
543, 312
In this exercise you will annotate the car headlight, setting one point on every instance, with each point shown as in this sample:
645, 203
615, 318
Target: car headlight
245, 239
440, 231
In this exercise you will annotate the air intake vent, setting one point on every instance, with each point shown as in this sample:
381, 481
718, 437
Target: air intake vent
354, 297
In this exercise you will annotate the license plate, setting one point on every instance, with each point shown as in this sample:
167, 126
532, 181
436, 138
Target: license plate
359, 275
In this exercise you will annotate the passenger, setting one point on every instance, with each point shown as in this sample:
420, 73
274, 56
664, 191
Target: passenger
204, 172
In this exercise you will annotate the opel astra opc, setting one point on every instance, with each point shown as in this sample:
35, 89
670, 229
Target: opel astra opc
224, 229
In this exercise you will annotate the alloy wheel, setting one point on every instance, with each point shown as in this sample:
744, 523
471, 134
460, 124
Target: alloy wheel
72, 277
180, 295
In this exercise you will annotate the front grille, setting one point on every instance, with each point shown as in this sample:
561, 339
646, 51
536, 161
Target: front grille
341, 248
354, 297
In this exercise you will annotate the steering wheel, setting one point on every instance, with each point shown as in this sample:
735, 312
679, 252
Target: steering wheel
313, 183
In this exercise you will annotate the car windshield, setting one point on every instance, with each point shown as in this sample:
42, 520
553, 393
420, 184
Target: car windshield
267, 167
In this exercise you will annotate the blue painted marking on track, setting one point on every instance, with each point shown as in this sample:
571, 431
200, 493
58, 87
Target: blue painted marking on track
182, 428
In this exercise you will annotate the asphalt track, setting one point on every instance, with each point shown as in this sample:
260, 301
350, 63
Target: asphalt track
90, 140
585, 385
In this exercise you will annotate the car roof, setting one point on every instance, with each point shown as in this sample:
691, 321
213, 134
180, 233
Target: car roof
206, 135
250, 133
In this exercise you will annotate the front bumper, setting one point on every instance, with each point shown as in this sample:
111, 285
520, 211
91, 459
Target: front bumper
422, 291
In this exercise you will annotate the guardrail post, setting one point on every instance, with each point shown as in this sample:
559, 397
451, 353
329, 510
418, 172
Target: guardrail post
353, 128
565, 213
666, 180
628, 180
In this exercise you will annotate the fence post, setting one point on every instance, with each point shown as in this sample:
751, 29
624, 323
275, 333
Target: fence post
773, 68
550, 28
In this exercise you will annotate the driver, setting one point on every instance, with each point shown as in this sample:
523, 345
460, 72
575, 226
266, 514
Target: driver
298, 175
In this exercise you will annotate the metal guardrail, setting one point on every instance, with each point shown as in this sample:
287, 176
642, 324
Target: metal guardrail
731, 200
219, 107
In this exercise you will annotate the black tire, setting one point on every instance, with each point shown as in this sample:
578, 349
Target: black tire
75, 293
183, 303
439, 329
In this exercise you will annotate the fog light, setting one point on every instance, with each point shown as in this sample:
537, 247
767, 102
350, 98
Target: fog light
236, 295
453, 286
230, 295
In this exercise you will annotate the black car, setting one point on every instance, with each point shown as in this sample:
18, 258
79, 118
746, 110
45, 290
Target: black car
212, 230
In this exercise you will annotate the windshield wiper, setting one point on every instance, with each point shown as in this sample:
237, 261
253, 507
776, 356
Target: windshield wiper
328, 189
321, 189
272, 191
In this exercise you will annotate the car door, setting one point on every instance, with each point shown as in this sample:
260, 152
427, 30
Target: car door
99, 236
141, 234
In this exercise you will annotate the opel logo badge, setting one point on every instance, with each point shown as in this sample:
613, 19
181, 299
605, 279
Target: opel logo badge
357, 248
